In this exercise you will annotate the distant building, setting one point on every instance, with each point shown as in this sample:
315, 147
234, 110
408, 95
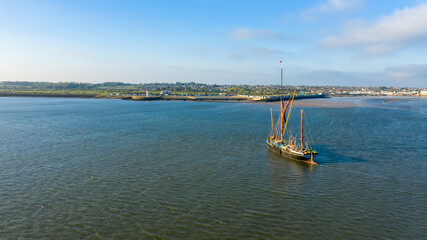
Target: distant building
165, 93
405, 93
387, 93
147, 93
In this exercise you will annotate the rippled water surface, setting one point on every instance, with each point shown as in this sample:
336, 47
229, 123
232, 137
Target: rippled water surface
94, 168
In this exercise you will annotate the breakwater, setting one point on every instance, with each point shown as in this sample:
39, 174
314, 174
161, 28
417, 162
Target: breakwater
286, 97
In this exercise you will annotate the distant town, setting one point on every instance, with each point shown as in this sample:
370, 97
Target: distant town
197, 89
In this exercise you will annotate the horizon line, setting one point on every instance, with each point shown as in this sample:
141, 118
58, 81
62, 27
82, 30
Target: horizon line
210, 84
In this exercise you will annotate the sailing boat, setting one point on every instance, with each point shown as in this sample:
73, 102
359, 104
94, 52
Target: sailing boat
289, 147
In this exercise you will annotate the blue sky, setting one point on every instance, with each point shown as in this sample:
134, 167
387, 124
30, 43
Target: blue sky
330, 42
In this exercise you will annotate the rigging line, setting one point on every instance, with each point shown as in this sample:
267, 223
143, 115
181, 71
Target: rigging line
272, 133
304, 136
309, 136
283, 113
290, 109
308, 141
277, 126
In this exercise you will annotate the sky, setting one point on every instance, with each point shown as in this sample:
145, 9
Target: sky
324, 42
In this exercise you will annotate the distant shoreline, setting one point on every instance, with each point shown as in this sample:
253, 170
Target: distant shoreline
302, 102
154, 98
61, 95
127, 97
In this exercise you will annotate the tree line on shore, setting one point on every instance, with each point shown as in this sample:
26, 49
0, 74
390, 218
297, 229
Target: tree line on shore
120, 87
174, 88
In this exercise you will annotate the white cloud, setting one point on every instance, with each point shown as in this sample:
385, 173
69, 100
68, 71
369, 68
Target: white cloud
265, 51
337, 5
407, 75
331, 6
256, 34
332, 77
390, 33
410, 75
399, 74
418, 71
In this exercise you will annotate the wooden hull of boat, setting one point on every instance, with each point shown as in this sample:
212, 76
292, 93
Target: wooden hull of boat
289, 155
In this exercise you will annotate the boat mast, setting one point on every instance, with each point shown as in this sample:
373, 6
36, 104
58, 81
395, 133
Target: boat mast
272, 123
281, 80
302, 130
281, 102
282, 113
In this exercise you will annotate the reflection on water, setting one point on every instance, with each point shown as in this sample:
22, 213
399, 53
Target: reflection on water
93, 168
295, 165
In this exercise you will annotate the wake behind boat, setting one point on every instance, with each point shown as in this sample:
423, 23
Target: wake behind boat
282, 141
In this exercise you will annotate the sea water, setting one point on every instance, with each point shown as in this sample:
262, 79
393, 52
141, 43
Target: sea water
101, 168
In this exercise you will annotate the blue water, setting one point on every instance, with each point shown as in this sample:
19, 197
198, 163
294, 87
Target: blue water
101, 168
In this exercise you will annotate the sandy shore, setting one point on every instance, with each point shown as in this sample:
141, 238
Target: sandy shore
344, 102
324, 103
